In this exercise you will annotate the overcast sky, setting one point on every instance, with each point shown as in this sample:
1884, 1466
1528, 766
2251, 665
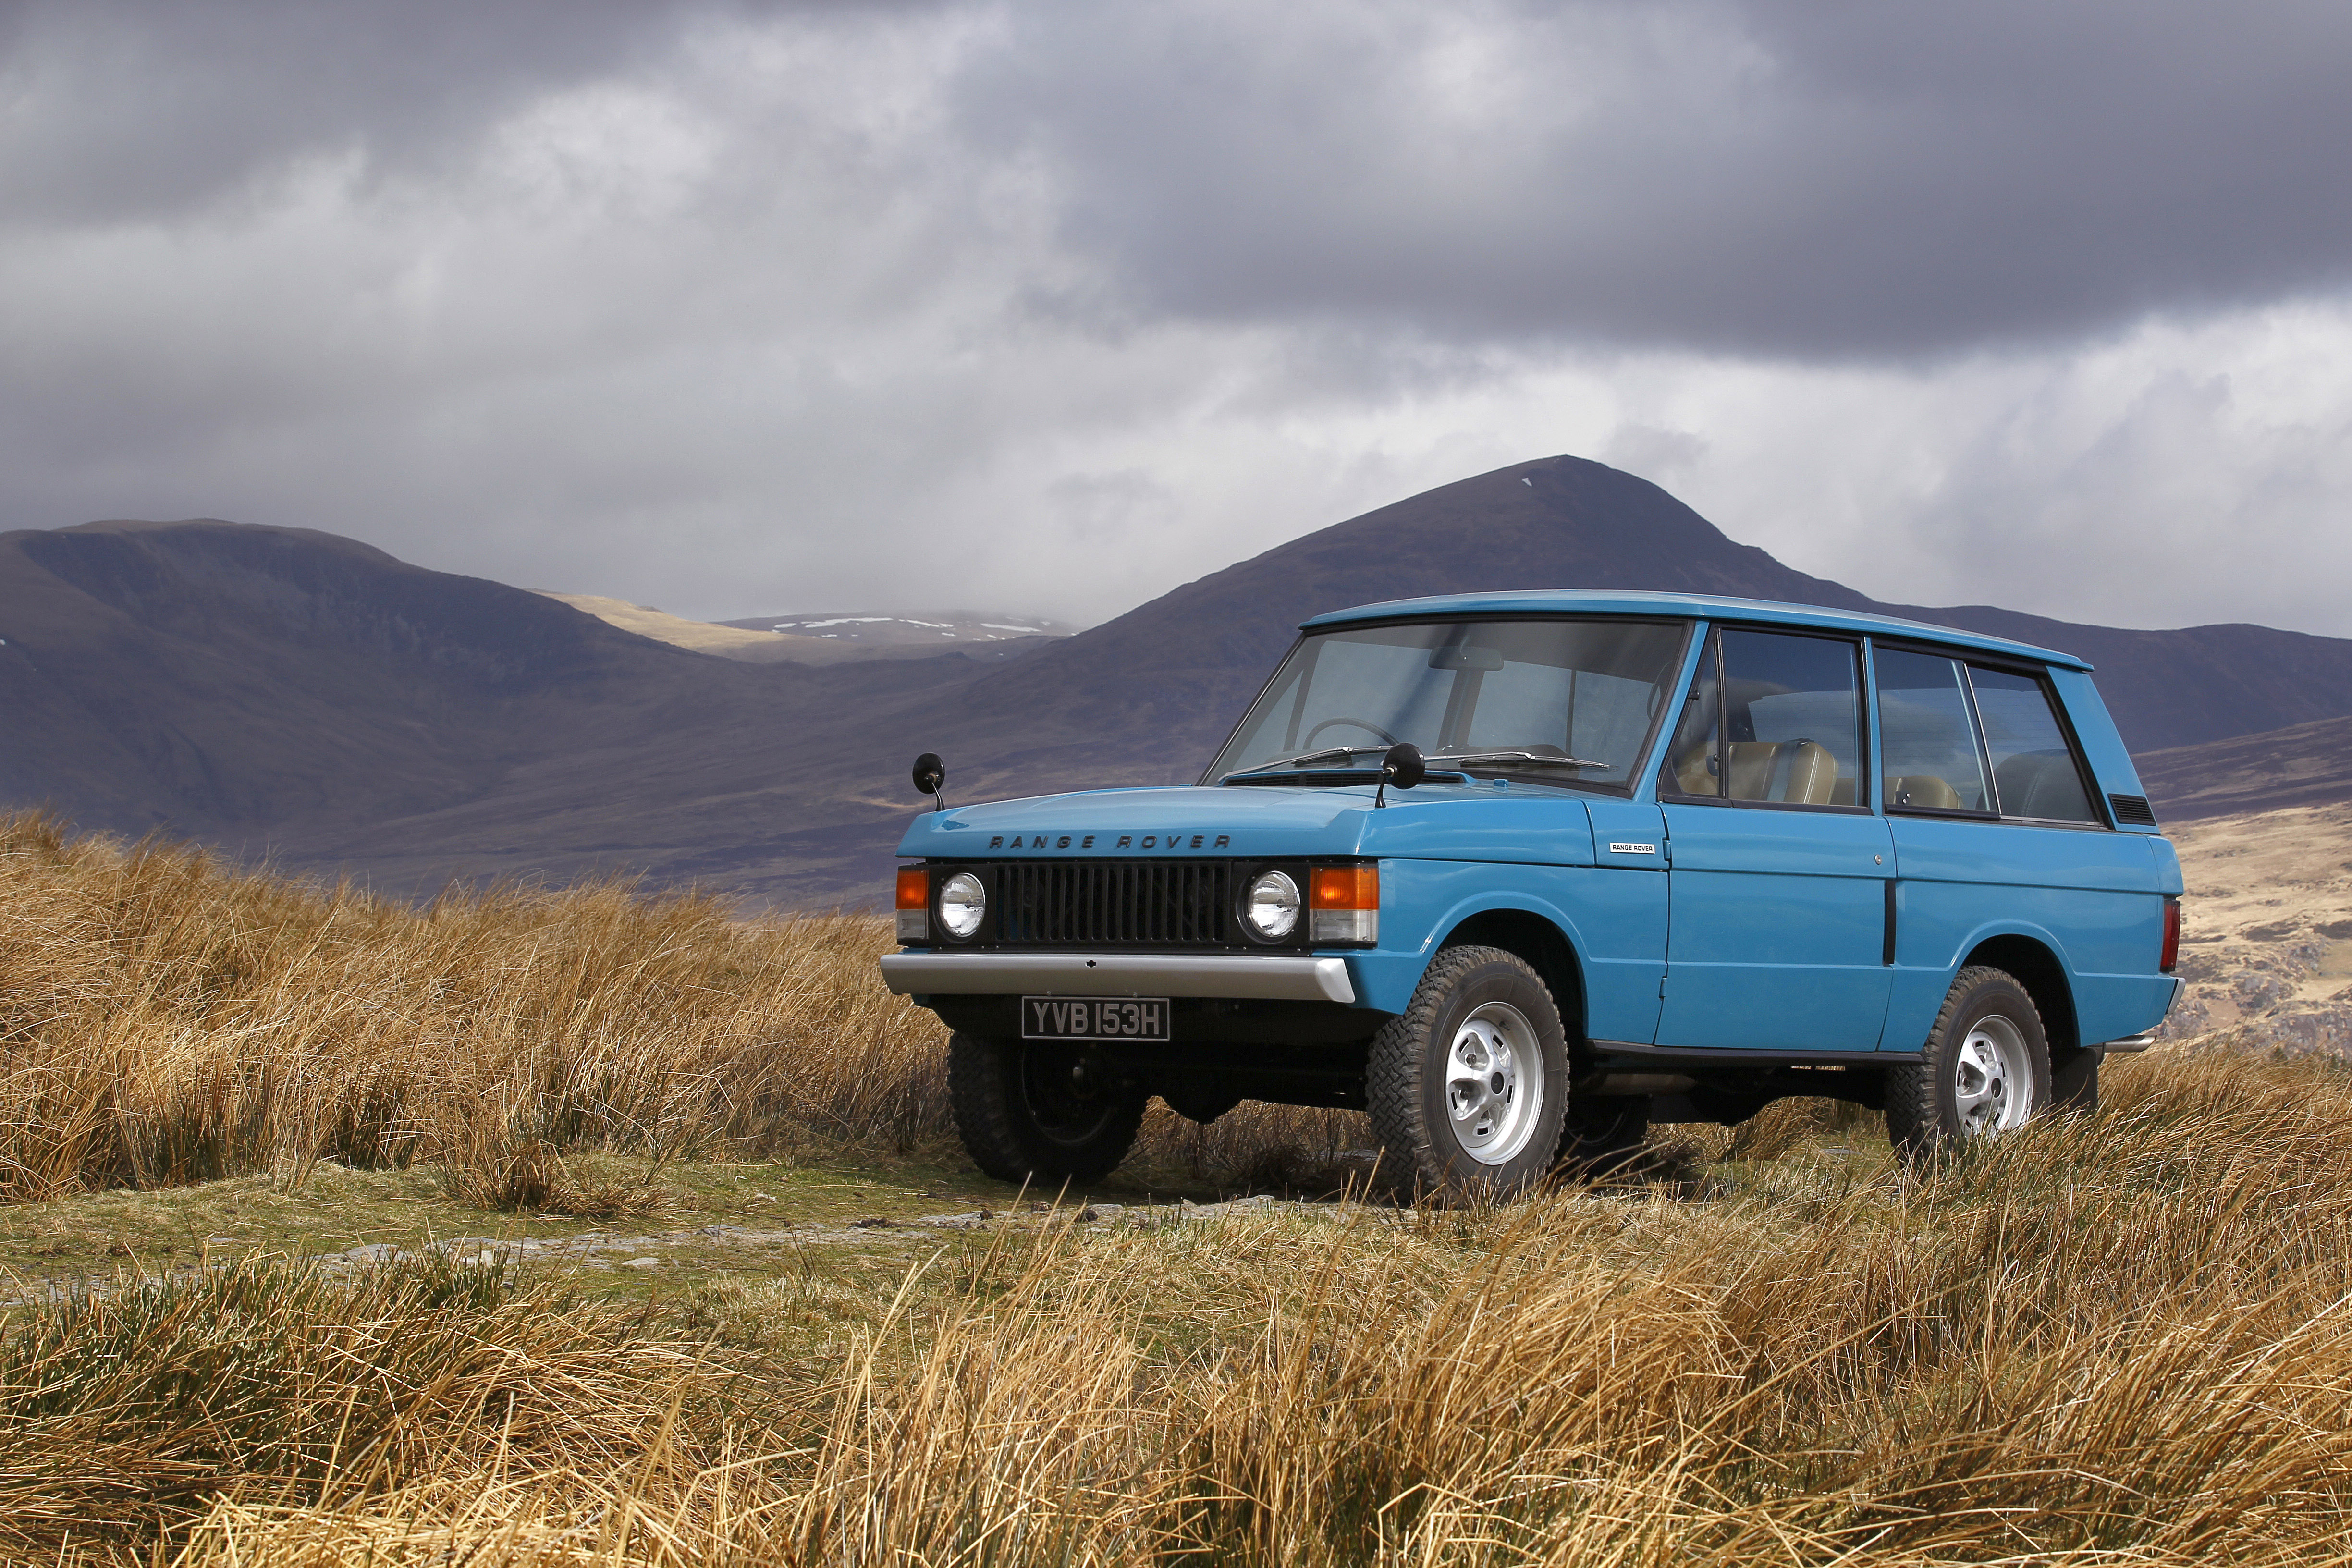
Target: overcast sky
1047, 306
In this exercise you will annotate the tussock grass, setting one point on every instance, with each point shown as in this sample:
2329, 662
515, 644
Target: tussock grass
530, 1176
125, 1411
165, 1020
2119, 1339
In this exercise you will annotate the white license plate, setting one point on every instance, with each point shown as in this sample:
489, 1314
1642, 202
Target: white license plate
1094, 1018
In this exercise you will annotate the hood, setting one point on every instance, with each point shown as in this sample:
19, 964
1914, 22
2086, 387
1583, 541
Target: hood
1436, 821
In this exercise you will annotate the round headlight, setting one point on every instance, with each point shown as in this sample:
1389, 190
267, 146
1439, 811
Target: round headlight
962, 900
1271, 906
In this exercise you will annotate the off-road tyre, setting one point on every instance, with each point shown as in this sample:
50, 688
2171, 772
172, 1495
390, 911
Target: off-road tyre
1950, 1097
1412, 1066
1025, 1115
1603, 1134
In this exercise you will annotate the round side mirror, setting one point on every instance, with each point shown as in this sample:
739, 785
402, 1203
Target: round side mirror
931, 773
1402, 765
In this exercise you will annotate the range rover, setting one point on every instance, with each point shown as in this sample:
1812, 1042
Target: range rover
1521, 874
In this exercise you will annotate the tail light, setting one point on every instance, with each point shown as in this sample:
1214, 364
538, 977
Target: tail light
2171, 935
1344, 904
914, 904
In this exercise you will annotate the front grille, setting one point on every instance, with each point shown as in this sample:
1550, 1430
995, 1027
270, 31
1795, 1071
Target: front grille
1124, 903
2134, 809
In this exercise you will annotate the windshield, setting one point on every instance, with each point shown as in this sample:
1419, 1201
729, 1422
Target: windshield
1575, 698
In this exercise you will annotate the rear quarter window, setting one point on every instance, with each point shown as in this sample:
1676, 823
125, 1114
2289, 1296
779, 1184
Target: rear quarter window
2035, 773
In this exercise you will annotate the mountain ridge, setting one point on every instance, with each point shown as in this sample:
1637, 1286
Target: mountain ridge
357, 713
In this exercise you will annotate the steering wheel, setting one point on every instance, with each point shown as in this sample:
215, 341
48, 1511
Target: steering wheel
1359, 723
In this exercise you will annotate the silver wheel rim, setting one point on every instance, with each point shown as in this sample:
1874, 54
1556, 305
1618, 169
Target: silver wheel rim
1494, 1083
1991, 1089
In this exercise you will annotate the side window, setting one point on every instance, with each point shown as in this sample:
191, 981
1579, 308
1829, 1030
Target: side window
1779, 720
1791, 716
1925, 737
2034, 773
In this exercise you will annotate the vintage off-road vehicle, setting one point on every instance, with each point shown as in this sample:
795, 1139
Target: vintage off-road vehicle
1520, 874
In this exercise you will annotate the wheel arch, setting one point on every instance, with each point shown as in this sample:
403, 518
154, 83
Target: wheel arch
1541, 941
2036, 965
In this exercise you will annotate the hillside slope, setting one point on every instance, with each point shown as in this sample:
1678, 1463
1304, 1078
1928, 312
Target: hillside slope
203, 675
251, 684
2301, 765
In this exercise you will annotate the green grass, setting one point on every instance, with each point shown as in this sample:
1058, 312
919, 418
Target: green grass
798, 1206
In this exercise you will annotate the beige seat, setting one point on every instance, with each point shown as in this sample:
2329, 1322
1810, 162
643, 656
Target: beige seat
1691, 770
1922, 789
1800, 771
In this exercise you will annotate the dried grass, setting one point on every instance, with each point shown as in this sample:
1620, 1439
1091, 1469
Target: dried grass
2120, 1339
165, 1020
125, 1411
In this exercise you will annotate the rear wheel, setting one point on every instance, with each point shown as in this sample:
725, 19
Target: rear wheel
1986, 1068
1030, 1111
1466, 1087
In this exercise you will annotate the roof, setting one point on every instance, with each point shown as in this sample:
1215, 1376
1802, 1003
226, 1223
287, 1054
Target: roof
1619, 602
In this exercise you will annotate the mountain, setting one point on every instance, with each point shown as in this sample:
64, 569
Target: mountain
1567, 522
268, 686
195, 675
1145, 698
285, 690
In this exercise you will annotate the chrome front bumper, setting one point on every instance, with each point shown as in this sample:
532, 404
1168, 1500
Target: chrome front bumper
1275, 977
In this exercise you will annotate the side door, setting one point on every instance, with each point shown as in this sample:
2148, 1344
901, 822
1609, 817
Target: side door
1591, 690
1779, 869
1996, 826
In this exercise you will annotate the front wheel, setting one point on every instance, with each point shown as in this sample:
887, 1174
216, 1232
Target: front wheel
1029, 1111
1467, 1086
1986, 1068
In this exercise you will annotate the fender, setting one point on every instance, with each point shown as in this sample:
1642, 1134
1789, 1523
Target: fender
1920, 988
1989, 931
1614, 921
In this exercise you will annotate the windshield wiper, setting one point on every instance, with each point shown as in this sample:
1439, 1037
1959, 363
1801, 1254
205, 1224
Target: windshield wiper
1513, 757
1327, 755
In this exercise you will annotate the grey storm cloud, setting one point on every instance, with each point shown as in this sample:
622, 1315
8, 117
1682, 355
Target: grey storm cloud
1833, 179
116, 111
1821, 179
747, 305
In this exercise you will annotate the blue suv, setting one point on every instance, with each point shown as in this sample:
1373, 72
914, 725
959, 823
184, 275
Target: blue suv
1521, 874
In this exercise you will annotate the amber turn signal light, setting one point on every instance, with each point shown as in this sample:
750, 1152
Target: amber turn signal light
1345, 888
1343, 905
914, 904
